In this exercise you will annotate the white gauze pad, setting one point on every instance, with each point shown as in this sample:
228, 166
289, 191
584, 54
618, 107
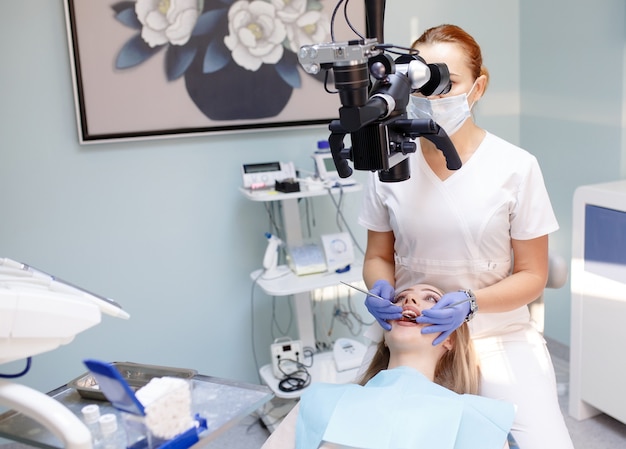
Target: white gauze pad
167, 404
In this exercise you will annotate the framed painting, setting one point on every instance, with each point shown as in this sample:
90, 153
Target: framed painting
165, 68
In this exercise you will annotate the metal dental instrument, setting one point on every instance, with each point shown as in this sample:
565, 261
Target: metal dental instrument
363, 291
380, 297
449, 306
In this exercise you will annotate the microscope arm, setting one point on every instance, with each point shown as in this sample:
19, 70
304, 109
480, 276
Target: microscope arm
53, 415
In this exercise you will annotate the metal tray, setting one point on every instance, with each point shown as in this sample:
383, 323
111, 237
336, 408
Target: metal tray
136, 374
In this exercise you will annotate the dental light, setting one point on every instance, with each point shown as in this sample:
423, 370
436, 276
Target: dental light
39, 313
375, 115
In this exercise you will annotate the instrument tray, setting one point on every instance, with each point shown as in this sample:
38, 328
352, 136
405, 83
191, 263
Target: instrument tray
137, 375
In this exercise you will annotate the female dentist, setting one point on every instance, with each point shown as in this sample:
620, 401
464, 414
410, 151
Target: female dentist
481, 233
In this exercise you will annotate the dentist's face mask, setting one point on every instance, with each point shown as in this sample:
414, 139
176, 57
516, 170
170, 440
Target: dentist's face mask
450, 112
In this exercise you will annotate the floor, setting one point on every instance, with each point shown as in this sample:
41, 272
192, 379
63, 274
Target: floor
600, 432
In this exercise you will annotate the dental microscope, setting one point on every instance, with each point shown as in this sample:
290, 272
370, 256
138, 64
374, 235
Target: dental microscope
374, 113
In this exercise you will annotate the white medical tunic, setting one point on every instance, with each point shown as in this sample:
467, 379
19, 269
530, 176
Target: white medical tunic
456, 233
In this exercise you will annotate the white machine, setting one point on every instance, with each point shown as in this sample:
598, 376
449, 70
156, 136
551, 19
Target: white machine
264, 175
325, 169
348, 354
38, 313
306, 258
286, 355
338, 250
597, 366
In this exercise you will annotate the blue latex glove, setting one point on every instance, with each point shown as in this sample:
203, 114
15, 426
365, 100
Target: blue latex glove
383, 310
442, 319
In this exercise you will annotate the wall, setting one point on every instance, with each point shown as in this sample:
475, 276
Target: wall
160, 225
572, 97
495, 26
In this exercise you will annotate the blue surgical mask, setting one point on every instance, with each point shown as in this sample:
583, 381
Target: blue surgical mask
449, 112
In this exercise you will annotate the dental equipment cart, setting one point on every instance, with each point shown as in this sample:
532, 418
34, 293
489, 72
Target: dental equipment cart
298, 287
223, 403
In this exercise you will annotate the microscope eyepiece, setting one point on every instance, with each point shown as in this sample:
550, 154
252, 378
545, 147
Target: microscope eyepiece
439, 82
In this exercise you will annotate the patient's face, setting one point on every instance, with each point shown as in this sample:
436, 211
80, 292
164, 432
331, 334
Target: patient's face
413, 300
417, 298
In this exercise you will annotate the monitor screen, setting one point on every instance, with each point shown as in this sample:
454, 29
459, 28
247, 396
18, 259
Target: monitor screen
325, 167
329, 164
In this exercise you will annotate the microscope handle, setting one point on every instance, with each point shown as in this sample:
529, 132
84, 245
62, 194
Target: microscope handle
335, 140
430, 130
443, 142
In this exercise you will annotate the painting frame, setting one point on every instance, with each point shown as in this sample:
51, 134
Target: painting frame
132, 83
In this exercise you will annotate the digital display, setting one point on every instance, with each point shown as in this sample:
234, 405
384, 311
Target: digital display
605, 235
329, 164
261, 168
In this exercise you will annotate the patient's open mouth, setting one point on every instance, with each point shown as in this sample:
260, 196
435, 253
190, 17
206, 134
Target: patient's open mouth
409, 315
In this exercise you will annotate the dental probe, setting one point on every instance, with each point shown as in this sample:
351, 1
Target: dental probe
363, 291
449, 306
380, 297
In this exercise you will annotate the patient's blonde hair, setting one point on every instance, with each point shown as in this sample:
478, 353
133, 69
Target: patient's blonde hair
457, 369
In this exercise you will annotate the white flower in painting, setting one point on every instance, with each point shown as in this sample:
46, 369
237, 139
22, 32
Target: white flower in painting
289, 10
312, 27
255, 34
167, 21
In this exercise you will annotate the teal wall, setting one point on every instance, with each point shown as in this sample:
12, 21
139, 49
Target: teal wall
161, 226
572, 117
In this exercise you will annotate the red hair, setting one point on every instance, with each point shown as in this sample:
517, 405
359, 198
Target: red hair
456, 35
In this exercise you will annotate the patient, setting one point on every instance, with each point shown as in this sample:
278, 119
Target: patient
413, 394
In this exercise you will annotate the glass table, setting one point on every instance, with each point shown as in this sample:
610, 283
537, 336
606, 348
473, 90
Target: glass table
222, 402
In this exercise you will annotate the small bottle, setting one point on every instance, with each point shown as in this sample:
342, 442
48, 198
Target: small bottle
323, 146
91, 414
113, 436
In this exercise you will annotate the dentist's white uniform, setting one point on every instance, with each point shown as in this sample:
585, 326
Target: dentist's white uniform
456, 234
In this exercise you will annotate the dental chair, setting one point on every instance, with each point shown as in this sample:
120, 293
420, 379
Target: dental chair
558, 271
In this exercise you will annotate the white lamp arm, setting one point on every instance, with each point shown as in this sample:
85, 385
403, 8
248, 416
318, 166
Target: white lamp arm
44, 409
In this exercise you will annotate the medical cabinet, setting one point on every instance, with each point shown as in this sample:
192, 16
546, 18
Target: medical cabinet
598, 309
